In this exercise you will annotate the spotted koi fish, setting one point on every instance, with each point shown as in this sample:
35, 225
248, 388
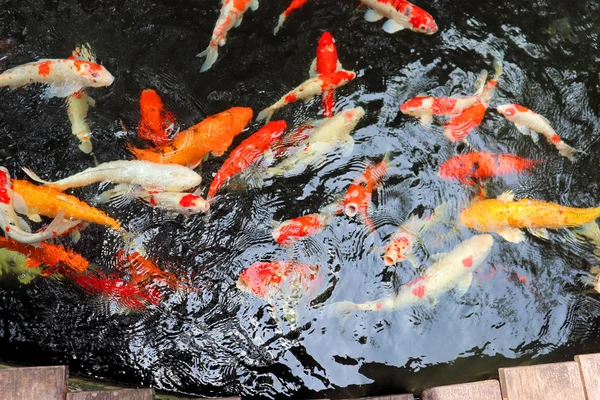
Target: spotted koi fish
294, 5
292, 230
232, 12
401, 15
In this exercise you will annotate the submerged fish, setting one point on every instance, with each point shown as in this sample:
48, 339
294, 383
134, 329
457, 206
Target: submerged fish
79, 103
332, 133
531, 123
168, 177
506, 217
401, 15
454, 270
50, 255
143, 271
213, 135
269, 279
474, 167
292, 230
294, 5
64, 76
156, 123
232, 12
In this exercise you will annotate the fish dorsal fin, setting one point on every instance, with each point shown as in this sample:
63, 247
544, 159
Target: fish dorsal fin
312, 71
507, 197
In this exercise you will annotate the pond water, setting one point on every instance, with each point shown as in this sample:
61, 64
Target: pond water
529, 303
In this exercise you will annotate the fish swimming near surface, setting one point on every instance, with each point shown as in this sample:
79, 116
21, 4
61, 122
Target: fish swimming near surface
507, 216
453, 271
232, 12
474, 167
163, 177
143, 270
17, 229
267, 280
332, 133
401, 15
326, 62
64, 76
156, 123
292, 230
213, 135
530, 123
294, 5
51, 255
247, 153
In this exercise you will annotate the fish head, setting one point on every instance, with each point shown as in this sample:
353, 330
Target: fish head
259, 278
457, 167
193, 204
281, 234
415, 106
421, 21
508, 110
326, 40
480, 247
95, 74
357, 199
396, 251
353, 115
274, 130
150, 100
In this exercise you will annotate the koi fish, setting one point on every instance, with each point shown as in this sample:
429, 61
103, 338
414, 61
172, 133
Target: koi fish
326, 63
247, 153
50, 255
64, 77
455, 270
180, 203
268, 279
156, 123
531, 123
149, 175
332, 133
471, 168
292, 230
295, 4
142, 270
309, 89
506, 216
33, 201
401, 15
293, 139
79, 103
232, 12
13, 226
213, 135
358, 196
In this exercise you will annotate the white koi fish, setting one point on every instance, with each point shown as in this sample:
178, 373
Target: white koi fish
332, 133
455, 270
149, 175
65, 77
232, 12
401, 15
531, 123
15, 228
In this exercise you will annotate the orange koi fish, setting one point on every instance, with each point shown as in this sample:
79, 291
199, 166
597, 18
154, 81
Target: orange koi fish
213, 135
247, 153
474, 167
51, 255
47, 201
295, 4
292, 230
267, 279
506, 217
156, 123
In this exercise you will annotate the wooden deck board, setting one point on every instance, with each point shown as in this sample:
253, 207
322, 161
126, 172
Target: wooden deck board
589, 368
123, 394
560, 381
40, 383
391, 397
484, 390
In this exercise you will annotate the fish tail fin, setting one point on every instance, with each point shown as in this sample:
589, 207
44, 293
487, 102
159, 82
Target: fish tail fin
567, 151
497, 63
280, 22
59, 226
34, 176
265, 114
328, 101
211, 53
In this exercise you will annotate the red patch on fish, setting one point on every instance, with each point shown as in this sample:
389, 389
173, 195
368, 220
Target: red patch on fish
468, 262
419, 291
4, 197
556, 139
188, 200
379, 306
44, 68
290, 98
152, 200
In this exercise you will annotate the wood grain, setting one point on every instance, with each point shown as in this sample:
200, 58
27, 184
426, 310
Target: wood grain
122, 394
589, 368
560, 381
40, 383
484, 390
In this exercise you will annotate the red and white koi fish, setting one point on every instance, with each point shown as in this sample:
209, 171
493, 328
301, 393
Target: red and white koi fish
531, 123
295, 4
65, 77
292, 230
247, 153
152, 176
232, 12
401, 15
326, 62
268, 279
455, 270
18, 230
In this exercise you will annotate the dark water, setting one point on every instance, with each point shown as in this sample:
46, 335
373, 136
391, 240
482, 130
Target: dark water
221, 341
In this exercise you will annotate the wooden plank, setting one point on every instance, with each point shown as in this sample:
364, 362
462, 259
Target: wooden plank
560, 381
122, 394
484, 390
391, 397
589, 368
40, 383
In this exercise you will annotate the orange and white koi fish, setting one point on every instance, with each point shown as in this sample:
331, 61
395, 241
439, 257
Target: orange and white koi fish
292, 230
50, 255
213, 135
507, 216
267, 279
401, 15
247, 153
156, 123
14, 228
232, 12
162, 177
294, 5
65, 77
332, 133
531, 123
454, 271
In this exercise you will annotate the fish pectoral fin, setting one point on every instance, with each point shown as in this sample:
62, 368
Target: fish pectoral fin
426, 118
372, 16
91, 102
312, 71
19, 204
347, 146
339, 66
512, 235
541, 233
23, 225
238, 22
61, 90
528, 132
392, 26
464, 283
507, 197
34, 217
254, 5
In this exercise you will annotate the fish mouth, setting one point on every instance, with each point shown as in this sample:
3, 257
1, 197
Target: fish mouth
389, 260
351, 209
